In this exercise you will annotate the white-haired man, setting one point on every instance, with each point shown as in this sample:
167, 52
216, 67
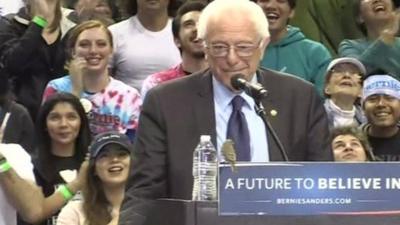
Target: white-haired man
175, 114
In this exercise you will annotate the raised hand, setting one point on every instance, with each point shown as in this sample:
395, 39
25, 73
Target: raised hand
76, 69
389, 33
41, 8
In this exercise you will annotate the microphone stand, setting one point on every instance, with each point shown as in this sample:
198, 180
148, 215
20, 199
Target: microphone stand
261, 112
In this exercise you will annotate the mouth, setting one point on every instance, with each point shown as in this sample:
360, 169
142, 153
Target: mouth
115, 169
64, 134
346, 83
382, 114
93, 60
195, 40
349, 156
379, 7
272, 17
152, 1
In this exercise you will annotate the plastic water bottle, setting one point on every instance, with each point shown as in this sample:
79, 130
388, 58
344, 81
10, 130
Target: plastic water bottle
205, 170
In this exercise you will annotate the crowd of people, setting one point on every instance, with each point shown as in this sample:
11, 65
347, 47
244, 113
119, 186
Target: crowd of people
102, 102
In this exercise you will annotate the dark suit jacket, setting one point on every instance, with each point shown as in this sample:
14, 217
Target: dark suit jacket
176, 113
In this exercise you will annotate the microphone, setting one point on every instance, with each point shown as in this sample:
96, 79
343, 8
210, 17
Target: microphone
254, 90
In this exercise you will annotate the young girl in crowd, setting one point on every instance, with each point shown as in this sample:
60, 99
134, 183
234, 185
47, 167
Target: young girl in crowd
350, 144
104, 188
32, 49
110, 104
63, 140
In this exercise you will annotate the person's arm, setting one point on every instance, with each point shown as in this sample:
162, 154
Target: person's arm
76, 69
379, 54
28, 198
16, 50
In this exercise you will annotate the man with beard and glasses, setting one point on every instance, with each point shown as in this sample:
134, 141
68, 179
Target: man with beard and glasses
184, 29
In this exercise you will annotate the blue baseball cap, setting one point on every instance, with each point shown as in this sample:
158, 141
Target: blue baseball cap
111, 137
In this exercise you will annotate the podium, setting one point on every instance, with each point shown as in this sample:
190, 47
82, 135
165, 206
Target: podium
184, 212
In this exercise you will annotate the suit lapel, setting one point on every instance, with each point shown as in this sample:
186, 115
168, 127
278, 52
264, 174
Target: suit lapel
272, 109
204, 106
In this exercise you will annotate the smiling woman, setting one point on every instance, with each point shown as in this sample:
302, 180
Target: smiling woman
63, 139
110, 104
105, 183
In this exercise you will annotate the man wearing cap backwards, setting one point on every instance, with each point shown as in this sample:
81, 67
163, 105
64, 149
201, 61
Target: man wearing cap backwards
381, 104
343, 88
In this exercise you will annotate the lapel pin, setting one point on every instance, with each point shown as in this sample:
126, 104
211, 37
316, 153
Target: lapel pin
273, 112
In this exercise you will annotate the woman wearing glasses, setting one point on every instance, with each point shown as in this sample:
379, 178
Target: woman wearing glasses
342, 90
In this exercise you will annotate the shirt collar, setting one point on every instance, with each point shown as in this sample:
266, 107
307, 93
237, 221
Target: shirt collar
223, 95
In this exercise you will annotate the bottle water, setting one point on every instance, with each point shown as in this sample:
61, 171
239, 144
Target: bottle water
205, 170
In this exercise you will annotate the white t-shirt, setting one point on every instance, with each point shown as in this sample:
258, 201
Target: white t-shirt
10, 6
72, 214
20, 161
139, 52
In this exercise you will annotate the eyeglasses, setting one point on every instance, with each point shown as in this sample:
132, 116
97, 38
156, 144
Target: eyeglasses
346, 70
241, 49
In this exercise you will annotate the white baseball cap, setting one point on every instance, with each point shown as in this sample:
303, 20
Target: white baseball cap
350, 60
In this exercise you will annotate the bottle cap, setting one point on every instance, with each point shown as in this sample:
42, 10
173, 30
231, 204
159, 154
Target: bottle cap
204, 138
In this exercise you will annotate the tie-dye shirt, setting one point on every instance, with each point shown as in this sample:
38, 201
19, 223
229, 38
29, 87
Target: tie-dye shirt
117, 107
160, 77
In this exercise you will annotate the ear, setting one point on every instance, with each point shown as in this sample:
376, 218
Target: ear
263, 46
73, 53
327, 90
292, 14
177, 42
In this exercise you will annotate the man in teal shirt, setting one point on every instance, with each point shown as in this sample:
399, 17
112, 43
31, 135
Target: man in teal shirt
290, 51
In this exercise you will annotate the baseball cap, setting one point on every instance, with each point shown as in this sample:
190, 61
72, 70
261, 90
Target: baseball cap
350, 60
111, 137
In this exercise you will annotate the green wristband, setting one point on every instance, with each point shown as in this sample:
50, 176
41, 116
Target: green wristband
5, 167
42, 22
66, 193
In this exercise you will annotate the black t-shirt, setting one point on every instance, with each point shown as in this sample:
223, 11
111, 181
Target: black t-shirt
386, 149
50, 180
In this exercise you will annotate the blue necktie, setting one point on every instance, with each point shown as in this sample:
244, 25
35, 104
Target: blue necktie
238, 130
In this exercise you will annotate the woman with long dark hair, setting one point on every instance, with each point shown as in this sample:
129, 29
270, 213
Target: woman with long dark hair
104, 188
63, 139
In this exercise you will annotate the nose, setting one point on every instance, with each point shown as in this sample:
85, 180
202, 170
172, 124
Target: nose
93, 48
348, 147
381, 101
63, 121
270, 4
232, 57
347, 74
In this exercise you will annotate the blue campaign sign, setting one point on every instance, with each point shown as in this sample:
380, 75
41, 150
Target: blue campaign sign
310, 188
